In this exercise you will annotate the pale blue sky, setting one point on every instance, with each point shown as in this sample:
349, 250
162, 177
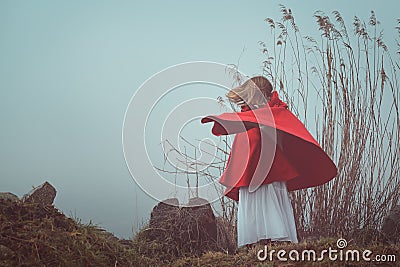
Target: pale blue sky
69, 68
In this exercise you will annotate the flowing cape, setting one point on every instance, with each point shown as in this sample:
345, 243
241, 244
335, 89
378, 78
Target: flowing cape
299, 160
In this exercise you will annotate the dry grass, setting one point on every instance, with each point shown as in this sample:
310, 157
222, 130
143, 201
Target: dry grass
36, 235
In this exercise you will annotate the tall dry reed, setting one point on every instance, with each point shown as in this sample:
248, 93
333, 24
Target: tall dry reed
348, 82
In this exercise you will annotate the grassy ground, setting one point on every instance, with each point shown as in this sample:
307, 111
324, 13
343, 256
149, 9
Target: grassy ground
248, 257
34, 235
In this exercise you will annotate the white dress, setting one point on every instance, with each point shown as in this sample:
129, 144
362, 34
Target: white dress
266, 213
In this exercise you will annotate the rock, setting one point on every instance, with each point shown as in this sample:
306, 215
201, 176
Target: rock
198, 201
43, 194
391, 225
163, 210
171, 202
9, 196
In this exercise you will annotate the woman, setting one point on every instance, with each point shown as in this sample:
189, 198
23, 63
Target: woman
272, 153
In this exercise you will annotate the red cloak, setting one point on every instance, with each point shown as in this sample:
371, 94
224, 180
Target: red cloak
297, 158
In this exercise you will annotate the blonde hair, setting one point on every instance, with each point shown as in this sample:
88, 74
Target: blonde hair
254, 92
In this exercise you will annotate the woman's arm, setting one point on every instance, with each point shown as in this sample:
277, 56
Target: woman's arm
225, 127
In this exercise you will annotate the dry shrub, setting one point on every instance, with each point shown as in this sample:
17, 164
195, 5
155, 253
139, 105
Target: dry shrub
226, 235
175, 232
